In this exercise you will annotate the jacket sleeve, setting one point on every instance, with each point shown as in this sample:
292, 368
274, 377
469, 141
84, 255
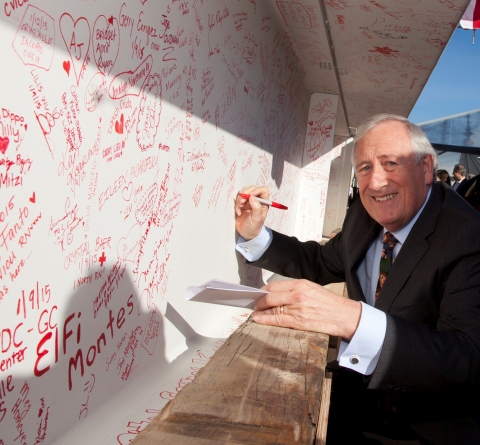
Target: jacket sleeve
309, 260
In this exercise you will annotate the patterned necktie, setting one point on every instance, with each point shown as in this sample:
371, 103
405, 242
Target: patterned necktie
386, 260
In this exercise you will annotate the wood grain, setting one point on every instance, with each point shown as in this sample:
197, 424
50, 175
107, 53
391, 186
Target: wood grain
264, 385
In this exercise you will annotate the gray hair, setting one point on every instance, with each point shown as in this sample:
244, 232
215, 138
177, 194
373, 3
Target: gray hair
460, 169
421, 146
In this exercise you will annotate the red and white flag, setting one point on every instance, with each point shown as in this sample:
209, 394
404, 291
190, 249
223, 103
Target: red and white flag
471, 18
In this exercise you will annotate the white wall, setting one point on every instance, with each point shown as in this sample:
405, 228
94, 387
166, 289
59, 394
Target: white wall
127, 129
339, 185
317, 159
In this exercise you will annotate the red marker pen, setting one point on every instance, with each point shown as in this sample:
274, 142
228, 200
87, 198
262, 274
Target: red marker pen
264, 201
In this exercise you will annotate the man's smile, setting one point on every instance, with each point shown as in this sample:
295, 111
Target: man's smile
384, 198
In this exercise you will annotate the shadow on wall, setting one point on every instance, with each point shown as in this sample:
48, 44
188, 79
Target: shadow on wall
85, 354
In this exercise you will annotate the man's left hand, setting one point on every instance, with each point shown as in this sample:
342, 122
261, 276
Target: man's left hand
307, 306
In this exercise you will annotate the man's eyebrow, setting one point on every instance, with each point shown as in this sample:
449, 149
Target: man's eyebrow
386, 156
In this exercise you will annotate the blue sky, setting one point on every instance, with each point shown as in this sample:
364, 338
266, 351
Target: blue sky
454, 85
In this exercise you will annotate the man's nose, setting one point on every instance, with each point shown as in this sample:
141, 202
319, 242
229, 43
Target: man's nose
378, 178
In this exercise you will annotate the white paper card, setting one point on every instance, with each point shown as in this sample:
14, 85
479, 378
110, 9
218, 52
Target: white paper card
222, 292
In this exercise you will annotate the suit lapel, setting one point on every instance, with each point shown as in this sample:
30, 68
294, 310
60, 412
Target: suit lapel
362, 236
411, 252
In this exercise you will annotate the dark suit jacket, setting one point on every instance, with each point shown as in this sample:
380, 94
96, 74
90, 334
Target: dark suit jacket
464, 186
430, 360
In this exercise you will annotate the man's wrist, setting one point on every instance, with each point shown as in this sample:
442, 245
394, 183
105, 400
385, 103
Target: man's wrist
362, 353
253, 249
354, 317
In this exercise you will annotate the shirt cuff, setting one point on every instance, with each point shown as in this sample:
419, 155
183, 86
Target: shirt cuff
361, 354
252, 250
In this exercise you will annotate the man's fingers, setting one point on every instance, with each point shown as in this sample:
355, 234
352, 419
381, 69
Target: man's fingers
272, 300
276, 310
281, 286
260, 192
242, 203
271, 320
255, 206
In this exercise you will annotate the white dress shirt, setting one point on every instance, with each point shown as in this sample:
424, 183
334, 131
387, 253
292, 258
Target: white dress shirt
362, 352
456, 184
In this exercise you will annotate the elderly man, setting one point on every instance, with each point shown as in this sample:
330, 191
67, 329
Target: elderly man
412, 338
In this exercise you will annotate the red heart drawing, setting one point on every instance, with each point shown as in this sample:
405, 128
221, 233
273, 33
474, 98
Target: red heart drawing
66, 66
127, 192
25, 127
110, 20
76, 36
310, 123
119, 125
32, 199
4, 144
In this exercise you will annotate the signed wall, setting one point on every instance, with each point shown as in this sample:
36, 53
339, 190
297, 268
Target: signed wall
126, 130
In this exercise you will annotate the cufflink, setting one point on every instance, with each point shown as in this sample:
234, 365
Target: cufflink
354, 359
246, 249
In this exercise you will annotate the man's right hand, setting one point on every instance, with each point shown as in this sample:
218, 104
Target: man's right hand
249, 213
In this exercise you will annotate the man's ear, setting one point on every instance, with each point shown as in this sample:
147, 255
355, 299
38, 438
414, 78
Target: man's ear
429, 171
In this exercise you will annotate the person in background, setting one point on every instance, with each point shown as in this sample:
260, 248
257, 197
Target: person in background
444, 177
465, 185
409, 361
472, 194
459, 173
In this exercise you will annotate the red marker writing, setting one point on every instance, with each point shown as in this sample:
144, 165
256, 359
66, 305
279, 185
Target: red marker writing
264, 201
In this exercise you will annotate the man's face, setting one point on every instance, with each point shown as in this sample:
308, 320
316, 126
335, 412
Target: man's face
392, 186
457, 175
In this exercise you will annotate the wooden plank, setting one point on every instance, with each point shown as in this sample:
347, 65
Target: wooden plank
333, 345
321, 436
263, 386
